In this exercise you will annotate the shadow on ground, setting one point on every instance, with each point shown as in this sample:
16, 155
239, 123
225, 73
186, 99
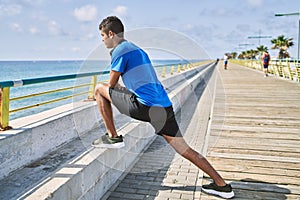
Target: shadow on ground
254, 189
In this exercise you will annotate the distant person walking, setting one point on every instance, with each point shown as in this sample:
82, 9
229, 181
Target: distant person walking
265, 62
225, 61
143, 98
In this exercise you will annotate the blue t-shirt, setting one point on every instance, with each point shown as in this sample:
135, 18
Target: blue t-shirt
138, 74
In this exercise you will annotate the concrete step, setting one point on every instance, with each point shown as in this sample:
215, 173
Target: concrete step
92, 173
35, 136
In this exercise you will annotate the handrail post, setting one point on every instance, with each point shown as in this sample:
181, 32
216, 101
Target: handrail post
92, 88
289, 70
272, 68
276, 69
259, 64
178, 69
4, 108
297, 72
282, 68
163, 74
279, 68
172, 70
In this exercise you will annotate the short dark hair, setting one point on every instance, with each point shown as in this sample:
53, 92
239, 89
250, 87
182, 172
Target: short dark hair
112, 23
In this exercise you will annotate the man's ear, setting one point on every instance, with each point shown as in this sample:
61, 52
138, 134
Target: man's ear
110, 34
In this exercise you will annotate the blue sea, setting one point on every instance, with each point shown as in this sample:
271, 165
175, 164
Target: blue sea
19, 70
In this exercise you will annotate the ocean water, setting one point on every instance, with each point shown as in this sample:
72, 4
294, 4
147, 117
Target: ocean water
16, 70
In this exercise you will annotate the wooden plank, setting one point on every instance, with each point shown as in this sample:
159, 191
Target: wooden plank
255, 163
250, 184
256, 129
247, 134
249, 189
260, 178
254, 185
255, 152
255, 195
247, 117
251, 147
231, 120
267, 170
252, 142
256, 157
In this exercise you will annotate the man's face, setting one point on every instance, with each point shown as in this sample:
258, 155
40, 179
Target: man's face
108, 42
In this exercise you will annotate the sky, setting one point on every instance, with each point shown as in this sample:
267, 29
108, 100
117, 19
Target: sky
68, 29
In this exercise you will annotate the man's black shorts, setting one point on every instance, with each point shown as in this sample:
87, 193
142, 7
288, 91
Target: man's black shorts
162, 119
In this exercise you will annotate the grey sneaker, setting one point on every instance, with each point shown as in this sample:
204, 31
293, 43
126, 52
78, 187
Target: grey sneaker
107, 142
222, 191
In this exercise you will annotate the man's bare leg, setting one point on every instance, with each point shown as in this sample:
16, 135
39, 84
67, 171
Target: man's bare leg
266, 71
181, 147
104, 105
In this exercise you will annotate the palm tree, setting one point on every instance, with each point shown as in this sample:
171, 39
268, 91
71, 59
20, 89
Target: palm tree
282, 43
233, 55
242, 55
251, 54
262, 49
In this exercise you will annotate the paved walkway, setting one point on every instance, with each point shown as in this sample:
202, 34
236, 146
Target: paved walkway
253, 140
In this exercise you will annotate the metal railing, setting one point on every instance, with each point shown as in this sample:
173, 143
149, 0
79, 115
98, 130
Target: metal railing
5, 88
281, 68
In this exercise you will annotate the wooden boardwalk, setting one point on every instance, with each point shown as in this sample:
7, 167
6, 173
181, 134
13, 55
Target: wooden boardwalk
255, 134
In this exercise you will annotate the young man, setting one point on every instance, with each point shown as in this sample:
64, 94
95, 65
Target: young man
225, 61
265, 62
143, 98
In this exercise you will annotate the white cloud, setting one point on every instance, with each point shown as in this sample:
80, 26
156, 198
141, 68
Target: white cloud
243, 27
189, 26
120, 10
89, 36
255, 2
33, 30
85, 13
27, 3
16, 27
10, 10
75, 49
54, 28
39, 16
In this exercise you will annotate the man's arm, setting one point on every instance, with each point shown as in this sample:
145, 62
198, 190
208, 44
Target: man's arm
113, 78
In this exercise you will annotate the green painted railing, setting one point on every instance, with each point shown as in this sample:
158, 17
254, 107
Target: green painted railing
5, 87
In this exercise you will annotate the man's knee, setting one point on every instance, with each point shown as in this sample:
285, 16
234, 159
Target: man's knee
100, 89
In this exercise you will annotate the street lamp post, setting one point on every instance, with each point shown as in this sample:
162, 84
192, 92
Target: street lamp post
246, 45
259, 36
290, 14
